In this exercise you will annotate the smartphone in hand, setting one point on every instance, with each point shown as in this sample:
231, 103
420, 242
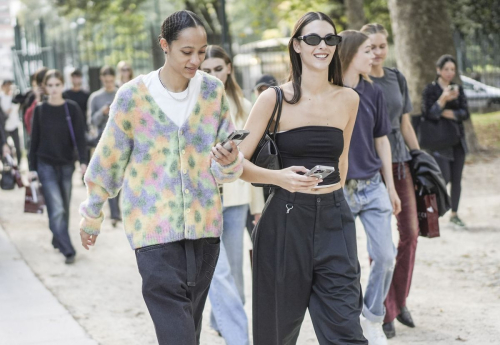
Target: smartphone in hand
237, 137
320, 171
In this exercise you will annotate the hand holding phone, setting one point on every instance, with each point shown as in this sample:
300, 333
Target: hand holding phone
321, 171
237, 137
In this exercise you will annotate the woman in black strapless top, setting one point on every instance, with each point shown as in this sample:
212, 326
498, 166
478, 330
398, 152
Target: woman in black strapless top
305, 253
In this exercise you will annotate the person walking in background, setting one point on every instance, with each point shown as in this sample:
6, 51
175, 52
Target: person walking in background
39, 95
159, 146
305, 252
80, 97
11, 113
57, 128
396, 95
443, 100
77, 94
367, 195
264, 83
239, 197
125, 73
98, 108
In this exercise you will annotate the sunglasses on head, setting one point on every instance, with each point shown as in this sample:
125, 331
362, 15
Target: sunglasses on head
315, 39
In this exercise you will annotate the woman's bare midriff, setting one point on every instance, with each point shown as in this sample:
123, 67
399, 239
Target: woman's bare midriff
333, 188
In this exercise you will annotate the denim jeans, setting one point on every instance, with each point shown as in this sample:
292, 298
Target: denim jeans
56, 188
370, 201
228, 316
232, 237
227, 289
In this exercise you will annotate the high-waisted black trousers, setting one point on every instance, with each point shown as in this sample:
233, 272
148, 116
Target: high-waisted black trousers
305, 256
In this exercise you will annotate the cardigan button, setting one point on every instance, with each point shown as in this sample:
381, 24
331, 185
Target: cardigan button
183, 152
188, 210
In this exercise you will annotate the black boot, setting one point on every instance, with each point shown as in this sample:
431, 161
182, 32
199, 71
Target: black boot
405, 318
389, 329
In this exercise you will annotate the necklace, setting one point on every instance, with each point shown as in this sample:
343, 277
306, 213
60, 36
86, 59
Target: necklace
177, 99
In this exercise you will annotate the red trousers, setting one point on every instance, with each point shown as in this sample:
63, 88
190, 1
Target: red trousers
408, 235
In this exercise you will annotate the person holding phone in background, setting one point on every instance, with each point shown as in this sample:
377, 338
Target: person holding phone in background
367, 195
228, 316
443, 99
98, 107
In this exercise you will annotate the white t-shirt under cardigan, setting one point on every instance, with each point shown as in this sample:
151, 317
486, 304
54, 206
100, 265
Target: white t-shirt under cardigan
177, 111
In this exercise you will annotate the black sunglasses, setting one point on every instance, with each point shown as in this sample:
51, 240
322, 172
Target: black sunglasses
314, 39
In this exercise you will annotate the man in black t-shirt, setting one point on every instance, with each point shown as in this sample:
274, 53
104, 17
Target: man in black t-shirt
78, 95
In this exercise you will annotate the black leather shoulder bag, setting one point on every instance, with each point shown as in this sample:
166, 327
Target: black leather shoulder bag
266, 154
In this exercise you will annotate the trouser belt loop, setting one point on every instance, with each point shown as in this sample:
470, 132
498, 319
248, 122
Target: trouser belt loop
190, 263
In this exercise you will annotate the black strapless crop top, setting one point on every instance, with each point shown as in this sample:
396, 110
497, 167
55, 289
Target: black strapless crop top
309, 146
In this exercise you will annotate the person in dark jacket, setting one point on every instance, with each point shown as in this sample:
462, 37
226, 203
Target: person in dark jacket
52, 156
443, 99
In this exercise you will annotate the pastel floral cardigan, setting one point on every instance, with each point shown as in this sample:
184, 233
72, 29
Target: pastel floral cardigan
170, 184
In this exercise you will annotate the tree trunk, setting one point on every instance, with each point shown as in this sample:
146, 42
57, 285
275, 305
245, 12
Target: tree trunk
422, 33
355, 14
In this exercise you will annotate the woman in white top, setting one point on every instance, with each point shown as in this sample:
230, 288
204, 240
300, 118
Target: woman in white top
11, 112
238, 198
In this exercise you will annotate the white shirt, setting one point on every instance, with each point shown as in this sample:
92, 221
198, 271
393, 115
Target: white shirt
177, 111
12, 120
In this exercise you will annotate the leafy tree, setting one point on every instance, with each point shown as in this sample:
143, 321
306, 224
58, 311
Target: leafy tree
475, 16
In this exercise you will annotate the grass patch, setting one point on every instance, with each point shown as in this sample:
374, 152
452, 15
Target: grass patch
487, 127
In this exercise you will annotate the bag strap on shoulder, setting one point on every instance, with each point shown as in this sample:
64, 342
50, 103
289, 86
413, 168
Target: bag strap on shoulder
276, 111
71, 131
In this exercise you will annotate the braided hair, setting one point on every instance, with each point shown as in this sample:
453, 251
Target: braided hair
177, 22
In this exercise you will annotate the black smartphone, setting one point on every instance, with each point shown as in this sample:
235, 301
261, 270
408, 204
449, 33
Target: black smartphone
237, 137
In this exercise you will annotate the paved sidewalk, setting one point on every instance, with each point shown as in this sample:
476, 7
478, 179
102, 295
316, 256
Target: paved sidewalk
29, 313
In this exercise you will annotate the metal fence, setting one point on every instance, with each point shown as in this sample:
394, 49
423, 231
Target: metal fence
79, 46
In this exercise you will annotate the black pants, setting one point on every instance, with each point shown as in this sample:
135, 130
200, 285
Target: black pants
452, 172
175, 281
305, 256
15, 137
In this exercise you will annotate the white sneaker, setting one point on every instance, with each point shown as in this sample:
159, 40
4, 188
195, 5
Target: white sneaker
373, 331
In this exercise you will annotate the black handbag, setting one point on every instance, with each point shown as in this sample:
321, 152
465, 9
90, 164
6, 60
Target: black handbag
8, 181
435, 135
10, 174
266, 154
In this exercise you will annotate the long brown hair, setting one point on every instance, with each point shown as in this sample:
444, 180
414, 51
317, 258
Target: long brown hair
334, 69
351, 41
233, 90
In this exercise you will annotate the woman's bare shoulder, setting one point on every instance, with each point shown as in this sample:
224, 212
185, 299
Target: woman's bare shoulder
347, 95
